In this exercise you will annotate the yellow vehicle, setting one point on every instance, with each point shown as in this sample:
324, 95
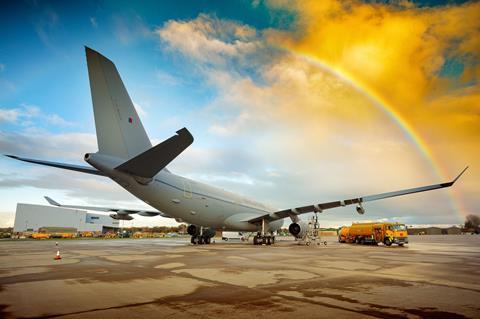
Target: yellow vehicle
374, 233
40, 236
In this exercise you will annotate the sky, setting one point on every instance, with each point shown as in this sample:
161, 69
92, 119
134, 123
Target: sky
290, 103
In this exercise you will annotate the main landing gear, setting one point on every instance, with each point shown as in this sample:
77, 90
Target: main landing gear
200, 240
200, 235
263, 240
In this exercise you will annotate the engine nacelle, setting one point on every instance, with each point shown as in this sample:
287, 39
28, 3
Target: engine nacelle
298, 230
121, 216
360, 209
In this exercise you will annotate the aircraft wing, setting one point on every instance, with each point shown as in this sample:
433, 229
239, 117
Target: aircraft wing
322, 206
120, 213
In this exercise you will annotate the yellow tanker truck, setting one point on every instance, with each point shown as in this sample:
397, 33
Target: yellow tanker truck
374, 233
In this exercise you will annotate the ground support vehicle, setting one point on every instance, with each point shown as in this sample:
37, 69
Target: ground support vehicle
374, 233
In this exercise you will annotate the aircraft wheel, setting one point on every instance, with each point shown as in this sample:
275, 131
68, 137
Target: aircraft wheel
207, 240
269, 240
200, 240
255, 240
273, 240
193, 240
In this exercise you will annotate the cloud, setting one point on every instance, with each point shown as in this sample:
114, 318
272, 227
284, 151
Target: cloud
93, 22
130, 28
166, 78
395, 50
25, 114
43, 144
209, 39
323, 138
140, 110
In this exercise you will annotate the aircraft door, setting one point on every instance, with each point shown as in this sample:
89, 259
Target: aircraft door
187, 189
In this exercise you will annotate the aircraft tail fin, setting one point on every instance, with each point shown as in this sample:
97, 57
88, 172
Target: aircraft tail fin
119, 130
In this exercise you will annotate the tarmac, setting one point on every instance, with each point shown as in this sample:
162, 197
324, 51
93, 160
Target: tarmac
434, 277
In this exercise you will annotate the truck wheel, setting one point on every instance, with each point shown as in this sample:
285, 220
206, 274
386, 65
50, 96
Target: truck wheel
362, 241
400, 245
387, 242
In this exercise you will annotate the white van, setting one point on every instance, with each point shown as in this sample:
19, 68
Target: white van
232, 235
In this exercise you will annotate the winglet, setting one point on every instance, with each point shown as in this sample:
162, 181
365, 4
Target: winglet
460, 175
51, 201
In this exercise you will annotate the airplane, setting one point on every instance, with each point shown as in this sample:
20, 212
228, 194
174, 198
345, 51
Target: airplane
125, 155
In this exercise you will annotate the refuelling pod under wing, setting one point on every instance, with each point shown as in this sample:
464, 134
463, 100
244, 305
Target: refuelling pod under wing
121, 216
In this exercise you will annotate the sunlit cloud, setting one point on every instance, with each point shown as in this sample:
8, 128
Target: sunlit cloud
309, 122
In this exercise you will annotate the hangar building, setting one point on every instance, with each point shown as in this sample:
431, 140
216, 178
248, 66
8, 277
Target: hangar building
30, 217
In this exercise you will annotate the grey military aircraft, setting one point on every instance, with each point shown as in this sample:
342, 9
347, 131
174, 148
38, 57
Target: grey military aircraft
125, 155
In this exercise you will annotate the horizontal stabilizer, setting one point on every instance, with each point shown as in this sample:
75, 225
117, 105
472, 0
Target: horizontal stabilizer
149, 163
71, 167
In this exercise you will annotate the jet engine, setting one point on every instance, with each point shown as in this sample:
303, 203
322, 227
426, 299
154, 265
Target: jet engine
360, 209
298, 230
121, 216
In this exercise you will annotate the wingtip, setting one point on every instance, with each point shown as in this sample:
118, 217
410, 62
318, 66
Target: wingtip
461, 173
51, 201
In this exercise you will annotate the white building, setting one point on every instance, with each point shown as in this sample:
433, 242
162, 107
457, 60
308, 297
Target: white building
30, 217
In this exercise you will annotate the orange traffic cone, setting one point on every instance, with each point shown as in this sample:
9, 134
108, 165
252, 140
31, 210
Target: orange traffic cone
57, 257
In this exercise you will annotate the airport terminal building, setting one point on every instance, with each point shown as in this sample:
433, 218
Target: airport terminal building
30, 217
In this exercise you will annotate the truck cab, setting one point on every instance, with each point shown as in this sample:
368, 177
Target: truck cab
395, 233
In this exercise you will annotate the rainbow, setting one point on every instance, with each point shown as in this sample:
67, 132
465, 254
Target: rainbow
398, 119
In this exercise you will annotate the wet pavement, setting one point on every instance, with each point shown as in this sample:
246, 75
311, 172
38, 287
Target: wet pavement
434, 277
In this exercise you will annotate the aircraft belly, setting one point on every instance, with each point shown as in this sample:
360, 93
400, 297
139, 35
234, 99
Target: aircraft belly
193, 207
